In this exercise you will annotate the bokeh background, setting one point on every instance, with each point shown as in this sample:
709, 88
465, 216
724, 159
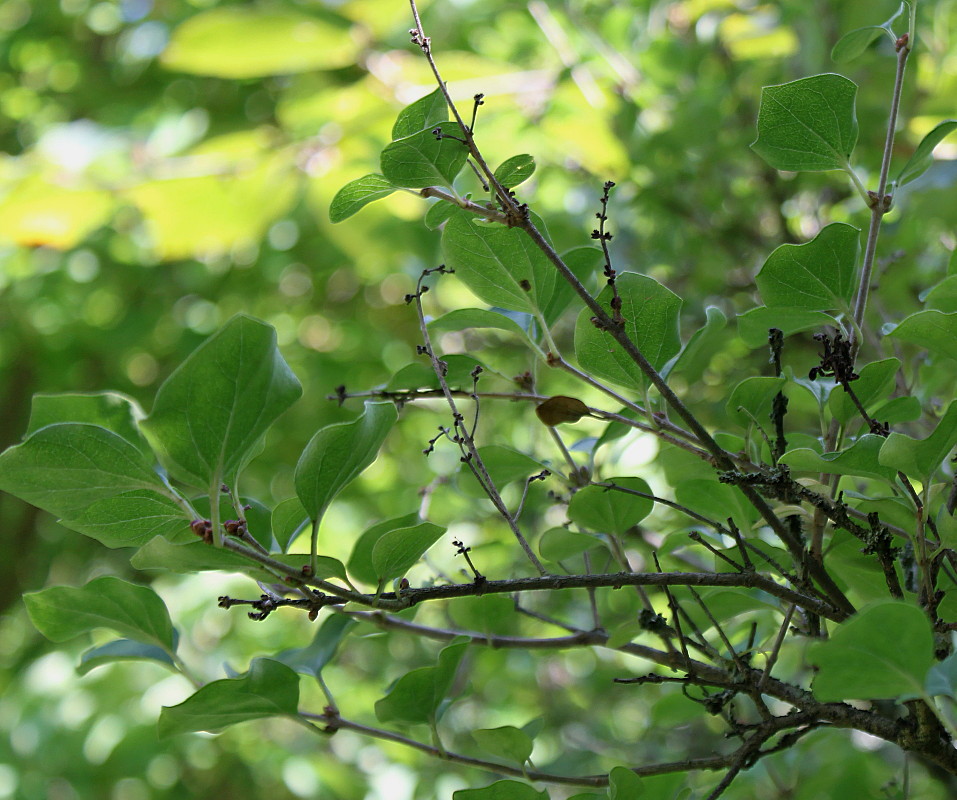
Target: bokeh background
166, 164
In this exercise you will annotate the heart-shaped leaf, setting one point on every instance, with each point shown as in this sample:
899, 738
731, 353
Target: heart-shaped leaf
808, 125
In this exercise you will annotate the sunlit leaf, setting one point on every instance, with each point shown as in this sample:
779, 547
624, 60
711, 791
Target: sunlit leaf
248, 42
424, 114
515, 170
111, 410
358, 193
37, 213
423, 160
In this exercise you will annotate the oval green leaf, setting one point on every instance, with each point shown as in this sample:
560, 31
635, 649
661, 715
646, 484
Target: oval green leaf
606, 510
357, 194
338, 453
136, 612
651, 314
397, 550
269, 689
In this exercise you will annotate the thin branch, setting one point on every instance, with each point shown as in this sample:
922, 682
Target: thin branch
472, 457
880, 202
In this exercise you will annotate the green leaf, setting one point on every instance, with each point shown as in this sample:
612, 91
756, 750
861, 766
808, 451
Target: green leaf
651, 314
875, 383
269, 689
65, 468
559, 544
609, 511
861, 458
137, 612
358, 193
210, 414
515, 170
417, 695
253, 43
111, 410
502, 266
503, 464
931, 330
338, 453
623, 784
920, 458
704, 344
808, 125
818, 275
464, 318
311, 659
197, 556
398, 550
899, 409
421, 160
439, 213
853, 44
289, 519
123, 650
424, 114
751, 400
585, 262
943, 296
501, 790
882, 652
923, 156
132, 519
942, 677
420, 375
506, 742
360, 562
716, 501
753, 325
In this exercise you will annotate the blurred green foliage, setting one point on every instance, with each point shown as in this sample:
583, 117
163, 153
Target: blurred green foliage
166, 164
